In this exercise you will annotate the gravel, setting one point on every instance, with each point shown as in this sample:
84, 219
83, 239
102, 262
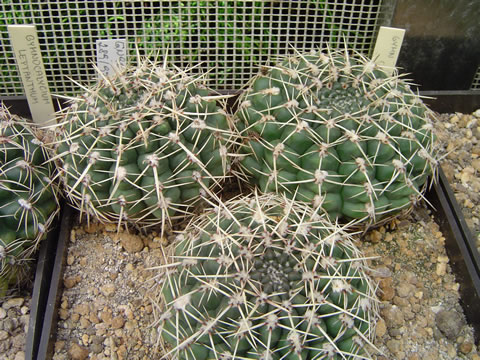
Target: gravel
459, 139
14, 316
421, 317
107, 310
107, 313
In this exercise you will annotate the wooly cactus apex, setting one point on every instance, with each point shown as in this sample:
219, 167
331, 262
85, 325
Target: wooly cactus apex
28, 196
265, 278
142, 146
334, 130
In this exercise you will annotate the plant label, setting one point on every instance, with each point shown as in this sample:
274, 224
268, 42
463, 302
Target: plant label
111, 56
387, 47
25, 45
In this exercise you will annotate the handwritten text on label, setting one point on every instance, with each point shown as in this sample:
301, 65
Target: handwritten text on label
111, 55
387, 47
30, 64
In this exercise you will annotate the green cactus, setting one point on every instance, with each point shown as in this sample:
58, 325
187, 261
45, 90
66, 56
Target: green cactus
336, 131
28, 196
143, 145
265, 278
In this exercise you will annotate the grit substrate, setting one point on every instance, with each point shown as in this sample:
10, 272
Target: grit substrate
106, 312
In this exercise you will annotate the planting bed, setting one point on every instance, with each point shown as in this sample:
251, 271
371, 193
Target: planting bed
105, 308
421, 295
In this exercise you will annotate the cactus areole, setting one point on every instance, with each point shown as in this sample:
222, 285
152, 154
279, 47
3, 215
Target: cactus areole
28, 196
143, 145
335, 131
264, 278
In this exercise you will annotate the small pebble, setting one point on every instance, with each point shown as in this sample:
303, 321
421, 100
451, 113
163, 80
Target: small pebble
84, 323
404, 289
59, 345
13, 303
106, 316
93, 318
4, 335
466, 347
78, 352
75, 317
394, 346
441, 269
108, 290
450, 323
381, 328
85, 339
70, 282
382, 272
476, 164
73, 237
419, 295
96, 348
24, 310
118, 322
131, 243
375, 236
387, 292
393, 316
63, 314
81, 309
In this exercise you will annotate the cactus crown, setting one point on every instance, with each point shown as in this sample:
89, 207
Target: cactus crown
336, 131
265, 278
143, 145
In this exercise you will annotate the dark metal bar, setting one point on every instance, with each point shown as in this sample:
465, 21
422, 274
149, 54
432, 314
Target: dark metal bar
45, 348
40, 288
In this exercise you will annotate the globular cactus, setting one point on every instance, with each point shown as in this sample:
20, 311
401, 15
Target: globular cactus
143, 145
336, 131
28, 196
265, 278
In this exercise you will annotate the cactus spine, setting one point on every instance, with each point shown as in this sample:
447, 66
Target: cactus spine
266, 278
143, 146
336, 131
28, 196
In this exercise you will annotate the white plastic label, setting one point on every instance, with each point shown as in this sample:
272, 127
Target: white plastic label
387, 47
25, 45
111, 56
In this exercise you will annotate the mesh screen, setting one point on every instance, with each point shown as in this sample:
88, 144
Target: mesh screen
229, 38
476, 81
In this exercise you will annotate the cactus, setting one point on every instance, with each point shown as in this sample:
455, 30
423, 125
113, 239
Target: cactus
28, 196
265, 278
336, 131
143, 145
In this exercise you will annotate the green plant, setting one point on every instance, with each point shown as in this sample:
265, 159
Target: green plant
185, 29
28, 196
265, 278
336, 131
143, 145
231, 36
